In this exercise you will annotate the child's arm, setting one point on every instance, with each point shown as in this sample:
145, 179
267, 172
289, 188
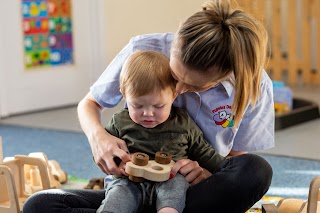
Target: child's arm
201, 151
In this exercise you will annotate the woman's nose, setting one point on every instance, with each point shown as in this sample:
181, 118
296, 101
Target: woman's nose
181, 88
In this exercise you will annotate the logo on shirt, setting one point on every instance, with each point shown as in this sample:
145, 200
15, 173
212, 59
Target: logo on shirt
222, 116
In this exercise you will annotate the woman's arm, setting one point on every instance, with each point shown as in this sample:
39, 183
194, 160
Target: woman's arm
103, 145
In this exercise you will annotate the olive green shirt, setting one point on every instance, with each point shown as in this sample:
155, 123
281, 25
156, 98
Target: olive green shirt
178, 135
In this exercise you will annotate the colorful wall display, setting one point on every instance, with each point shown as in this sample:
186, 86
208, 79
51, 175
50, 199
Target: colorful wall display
47, 30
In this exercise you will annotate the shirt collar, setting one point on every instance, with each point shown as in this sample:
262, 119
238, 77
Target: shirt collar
228, 87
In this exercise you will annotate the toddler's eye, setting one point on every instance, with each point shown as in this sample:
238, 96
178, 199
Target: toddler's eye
158, 106
136, 106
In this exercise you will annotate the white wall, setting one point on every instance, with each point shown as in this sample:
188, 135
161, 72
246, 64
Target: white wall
100, 29
127, 18
24, 90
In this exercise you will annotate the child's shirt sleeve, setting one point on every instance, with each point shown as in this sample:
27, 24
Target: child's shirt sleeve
200, 150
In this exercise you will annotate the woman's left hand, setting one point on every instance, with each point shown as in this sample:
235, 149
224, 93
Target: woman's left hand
191, 170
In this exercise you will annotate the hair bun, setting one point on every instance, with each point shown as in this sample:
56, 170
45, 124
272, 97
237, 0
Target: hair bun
208, 5
224, 25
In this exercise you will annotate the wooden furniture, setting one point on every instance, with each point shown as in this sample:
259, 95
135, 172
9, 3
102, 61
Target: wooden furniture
13, 183
141, 168
291, 205
54, 183
293, 38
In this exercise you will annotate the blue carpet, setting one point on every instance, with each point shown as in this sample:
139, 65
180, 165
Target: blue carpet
70, 149
291, 178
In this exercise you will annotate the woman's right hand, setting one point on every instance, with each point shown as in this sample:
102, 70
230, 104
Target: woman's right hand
105, 149
104, 146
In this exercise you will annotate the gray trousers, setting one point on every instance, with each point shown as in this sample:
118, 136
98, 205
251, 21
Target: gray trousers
125, 196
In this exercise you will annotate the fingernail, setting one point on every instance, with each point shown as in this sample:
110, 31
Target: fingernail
171, 176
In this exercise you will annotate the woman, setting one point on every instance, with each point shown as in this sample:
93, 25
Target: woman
217, 57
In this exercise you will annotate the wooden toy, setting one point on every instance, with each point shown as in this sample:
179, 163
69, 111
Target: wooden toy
21, 176
141, 168
270, 208
57, 172
95, 184
31, 174
12, 181
291, 205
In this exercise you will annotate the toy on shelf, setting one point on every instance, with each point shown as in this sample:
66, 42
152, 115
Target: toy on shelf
291, 205
141, 168
12, 181
282, 96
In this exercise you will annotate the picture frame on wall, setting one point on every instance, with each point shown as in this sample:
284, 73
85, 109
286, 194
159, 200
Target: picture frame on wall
47, 33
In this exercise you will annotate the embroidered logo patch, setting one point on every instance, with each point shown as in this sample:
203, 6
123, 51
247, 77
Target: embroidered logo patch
222, 116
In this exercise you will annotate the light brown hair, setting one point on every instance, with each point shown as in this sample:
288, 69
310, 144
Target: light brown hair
230, 41
144, 72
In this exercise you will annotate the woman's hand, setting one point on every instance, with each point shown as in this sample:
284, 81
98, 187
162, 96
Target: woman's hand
191, 170
106, 149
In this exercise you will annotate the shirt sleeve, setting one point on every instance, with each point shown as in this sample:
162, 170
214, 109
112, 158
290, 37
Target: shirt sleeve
111, 127
256, 130
106, 90
201, 151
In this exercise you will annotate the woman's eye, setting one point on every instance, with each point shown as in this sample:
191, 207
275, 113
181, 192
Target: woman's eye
193, 88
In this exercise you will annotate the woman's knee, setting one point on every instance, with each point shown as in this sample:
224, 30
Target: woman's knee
40, 201
253, 170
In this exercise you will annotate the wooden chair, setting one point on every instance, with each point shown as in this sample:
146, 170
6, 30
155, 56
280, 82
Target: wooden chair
12, 181
291, 205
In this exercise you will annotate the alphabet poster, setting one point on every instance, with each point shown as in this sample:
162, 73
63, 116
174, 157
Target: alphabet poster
47, 30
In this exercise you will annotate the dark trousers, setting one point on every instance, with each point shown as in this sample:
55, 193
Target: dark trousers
236, 185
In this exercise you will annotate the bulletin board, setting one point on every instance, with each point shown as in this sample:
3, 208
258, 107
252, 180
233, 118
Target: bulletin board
47, 33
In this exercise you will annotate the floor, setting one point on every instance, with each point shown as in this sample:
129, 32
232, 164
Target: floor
297, 141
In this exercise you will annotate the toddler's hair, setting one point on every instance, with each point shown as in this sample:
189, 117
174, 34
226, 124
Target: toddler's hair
144, 72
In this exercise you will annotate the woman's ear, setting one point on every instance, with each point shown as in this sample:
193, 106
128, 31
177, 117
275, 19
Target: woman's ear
175, 95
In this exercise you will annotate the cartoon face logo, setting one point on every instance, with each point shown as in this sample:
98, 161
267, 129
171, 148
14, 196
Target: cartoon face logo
223, 118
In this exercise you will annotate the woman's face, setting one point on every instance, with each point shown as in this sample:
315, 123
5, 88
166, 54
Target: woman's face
191, 80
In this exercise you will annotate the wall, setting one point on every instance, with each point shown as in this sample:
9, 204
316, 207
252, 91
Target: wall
128, 18
25, 90
101, 30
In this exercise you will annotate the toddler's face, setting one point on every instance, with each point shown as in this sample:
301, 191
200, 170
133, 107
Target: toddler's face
152, 109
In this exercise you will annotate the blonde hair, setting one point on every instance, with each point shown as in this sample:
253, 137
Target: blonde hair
144, 72
230, 41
